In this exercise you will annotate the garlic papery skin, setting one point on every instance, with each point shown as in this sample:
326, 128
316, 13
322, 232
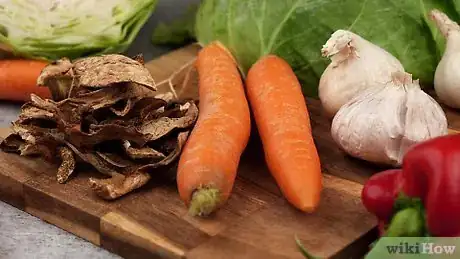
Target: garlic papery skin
447, 75
382, 123
356, 64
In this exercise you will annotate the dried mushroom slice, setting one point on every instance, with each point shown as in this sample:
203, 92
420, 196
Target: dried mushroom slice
42, 108
118, 186
39, 121
12, 143
115, 187
45, 104
106, 70
104, 105
34, 134
173, 155
30, 112
122, 107
179, 109
59, 78
139, 58
181, 140
147, 104
116, 160
160, 127
100, 98
146, 153
147, 107
45, 150
67, 166
121, 122
86, 122
110, 96
46, 117
152, 115
133, 107
149, 131
167, 97
99, 164
67, 110
15, 144
71, 112
139, 91
106, 132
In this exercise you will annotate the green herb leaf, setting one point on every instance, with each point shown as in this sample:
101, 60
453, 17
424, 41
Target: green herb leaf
303, 250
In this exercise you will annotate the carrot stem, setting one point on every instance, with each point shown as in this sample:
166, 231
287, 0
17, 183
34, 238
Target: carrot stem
204, 201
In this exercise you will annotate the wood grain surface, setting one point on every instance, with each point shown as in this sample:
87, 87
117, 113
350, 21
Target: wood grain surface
152, 222
256, 222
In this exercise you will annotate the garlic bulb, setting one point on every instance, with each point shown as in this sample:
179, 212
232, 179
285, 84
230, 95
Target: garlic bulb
356, 64
382, 123
447, 75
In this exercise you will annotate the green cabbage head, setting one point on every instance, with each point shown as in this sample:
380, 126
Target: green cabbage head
51, 29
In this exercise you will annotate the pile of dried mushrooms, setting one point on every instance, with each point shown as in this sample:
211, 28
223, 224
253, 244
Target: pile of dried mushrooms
105, 112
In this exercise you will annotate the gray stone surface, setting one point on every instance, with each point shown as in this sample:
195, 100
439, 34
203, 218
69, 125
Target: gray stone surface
24, 236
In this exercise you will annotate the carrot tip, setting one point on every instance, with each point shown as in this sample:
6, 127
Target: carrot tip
204, 201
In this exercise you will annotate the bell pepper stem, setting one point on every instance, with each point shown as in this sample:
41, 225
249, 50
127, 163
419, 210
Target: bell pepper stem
408, 222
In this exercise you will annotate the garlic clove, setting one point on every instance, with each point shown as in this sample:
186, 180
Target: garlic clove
363, 131
356, 64
383, 122
447, 76
425, 118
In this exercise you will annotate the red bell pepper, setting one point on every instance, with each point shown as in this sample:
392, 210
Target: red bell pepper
380, 192
424, 194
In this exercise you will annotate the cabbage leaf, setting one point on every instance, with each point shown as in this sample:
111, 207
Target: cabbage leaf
296, 30
51, 29
179, 32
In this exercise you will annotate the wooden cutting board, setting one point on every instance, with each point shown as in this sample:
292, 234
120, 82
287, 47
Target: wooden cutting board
255, 223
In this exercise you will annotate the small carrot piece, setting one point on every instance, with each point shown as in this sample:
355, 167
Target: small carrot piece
209, 161
18, 79
282, 119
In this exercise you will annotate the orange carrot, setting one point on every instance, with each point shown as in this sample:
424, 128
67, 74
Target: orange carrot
209, 161
282, 119
18, 79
